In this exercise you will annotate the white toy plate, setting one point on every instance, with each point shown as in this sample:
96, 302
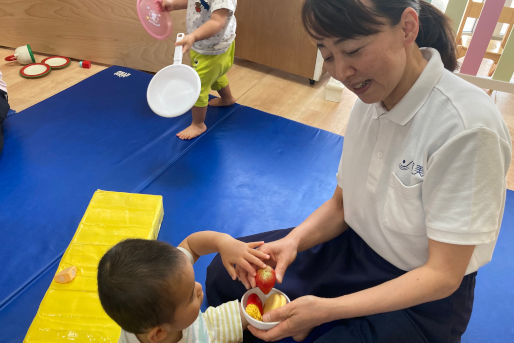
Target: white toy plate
35, 70
57, 62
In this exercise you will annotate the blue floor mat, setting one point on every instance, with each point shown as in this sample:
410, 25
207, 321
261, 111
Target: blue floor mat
250, 172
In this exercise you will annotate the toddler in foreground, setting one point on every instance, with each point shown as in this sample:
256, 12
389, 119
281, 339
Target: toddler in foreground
148, 287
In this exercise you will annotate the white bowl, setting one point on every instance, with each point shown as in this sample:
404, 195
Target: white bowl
252, 321
173, 90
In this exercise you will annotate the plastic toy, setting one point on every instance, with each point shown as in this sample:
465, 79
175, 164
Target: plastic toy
35, 70
66, 275
57, 62
155, 21
23, 55
85, 64
175, 88
246, 300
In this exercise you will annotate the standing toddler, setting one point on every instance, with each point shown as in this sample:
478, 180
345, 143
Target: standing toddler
211, 30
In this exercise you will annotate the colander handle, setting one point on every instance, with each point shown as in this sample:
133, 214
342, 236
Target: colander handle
177, 57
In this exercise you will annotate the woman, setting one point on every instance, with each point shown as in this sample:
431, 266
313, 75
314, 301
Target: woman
393, 255
4, 109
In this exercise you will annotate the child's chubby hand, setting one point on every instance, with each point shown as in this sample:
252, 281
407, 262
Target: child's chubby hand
234, 252
186, 42
169, 5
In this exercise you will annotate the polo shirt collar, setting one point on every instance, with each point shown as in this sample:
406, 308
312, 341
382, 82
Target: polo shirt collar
412, 101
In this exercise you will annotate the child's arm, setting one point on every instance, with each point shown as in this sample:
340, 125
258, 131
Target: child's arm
173, 5
232, 251
208, 29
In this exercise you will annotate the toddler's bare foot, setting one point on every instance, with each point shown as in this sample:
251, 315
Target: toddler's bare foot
217, 102
192, 131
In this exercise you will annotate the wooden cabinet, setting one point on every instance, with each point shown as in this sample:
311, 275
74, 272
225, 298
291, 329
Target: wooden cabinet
102, 31
270, 32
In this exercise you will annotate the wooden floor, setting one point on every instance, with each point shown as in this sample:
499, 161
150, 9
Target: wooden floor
253, 85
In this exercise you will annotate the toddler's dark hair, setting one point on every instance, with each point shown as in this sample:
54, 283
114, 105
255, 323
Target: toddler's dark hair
135, 283
349, 19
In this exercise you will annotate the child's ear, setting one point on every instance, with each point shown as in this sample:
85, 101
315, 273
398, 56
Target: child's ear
157, 334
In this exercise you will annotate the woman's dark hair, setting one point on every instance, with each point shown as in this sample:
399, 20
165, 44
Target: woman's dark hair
135, 281
349, 19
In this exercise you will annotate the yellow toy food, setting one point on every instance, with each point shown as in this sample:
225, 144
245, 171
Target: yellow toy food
253, 311
274, 301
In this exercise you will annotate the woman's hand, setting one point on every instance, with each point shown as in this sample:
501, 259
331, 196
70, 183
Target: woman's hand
243, 255
297, 319
281, 253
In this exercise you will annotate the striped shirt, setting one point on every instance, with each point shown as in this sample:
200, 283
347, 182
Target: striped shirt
220, 324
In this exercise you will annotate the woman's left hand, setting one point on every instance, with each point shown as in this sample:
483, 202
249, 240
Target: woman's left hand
234, 252
297, 319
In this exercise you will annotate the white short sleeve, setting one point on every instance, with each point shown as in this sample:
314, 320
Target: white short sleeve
188, 254
219, 4
464, 188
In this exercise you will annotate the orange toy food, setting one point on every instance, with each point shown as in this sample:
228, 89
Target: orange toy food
274, 301
66, 275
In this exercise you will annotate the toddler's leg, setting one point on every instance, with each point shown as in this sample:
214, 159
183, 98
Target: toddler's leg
225, 99
197, 126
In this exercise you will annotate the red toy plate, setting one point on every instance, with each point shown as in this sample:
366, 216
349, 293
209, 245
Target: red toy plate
35, 70
57, 62
155, 21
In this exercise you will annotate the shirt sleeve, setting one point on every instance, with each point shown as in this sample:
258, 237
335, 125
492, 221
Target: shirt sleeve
219, 4
464, 188
188, 254
224, 323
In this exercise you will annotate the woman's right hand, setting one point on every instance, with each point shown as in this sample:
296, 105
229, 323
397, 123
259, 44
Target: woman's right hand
282, 253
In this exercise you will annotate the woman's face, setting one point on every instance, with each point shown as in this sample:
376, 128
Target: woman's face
370, 66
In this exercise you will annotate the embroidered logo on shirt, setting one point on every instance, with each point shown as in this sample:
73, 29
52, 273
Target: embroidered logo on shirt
413, 167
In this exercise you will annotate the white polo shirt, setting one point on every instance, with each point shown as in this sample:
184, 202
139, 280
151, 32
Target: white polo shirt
433, 167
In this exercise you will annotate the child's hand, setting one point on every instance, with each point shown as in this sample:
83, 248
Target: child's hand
243, 255
167, 5
186, 42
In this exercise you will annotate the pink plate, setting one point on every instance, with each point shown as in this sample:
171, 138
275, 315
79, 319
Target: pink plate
155, 21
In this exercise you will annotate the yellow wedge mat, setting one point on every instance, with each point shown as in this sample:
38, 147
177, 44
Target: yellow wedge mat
72, 312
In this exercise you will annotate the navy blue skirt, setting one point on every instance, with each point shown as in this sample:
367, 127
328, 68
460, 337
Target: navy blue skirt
4, 108
346, 264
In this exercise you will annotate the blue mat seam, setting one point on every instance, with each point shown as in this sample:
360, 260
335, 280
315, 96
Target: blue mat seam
36, 276
149, 180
